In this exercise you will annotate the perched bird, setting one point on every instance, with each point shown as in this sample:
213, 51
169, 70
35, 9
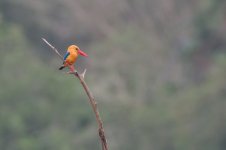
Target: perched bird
71, 56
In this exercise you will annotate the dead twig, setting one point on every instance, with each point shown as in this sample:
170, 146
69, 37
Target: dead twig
92, 101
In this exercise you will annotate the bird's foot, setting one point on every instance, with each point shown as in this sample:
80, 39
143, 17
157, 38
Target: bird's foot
73, 72
72, 68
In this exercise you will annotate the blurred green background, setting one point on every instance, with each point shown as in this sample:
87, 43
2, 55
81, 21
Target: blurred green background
157, 69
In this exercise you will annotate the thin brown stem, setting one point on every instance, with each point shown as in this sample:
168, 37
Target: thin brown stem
90, 96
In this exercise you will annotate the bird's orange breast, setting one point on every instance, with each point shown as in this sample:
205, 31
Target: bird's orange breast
71, 58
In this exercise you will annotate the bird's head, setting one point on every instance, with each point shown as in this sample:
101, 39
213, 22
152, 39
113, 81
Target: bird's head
74, 48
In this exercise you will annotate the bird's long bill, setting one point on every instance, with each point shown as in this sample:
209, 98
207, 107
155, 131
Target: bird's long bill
82, 53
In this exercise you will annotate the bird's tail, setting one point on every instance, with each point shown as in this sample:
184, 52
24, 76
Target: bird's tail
61, 67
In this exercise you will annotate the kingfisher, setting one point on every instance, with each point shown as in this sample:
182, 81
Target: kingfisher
71, 56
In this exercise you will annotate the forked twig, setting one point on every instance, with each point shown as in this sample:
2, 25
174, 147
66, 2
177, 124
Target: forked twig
92, 101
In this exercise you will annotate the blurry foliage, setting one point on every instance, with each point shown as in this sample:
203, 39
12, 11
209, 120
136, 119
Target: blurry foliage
157, 69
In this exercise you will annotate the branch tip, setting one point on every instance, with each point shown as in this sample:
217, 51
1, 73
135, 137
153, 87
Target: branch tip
53, 48
83, 74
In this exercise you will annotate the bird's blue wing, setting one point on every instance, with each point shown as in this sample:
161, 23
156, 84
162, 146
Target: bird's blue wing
66, 55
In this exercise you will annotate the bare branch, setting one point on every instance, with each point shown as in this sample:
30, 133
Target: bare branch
53, 48
92, 101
